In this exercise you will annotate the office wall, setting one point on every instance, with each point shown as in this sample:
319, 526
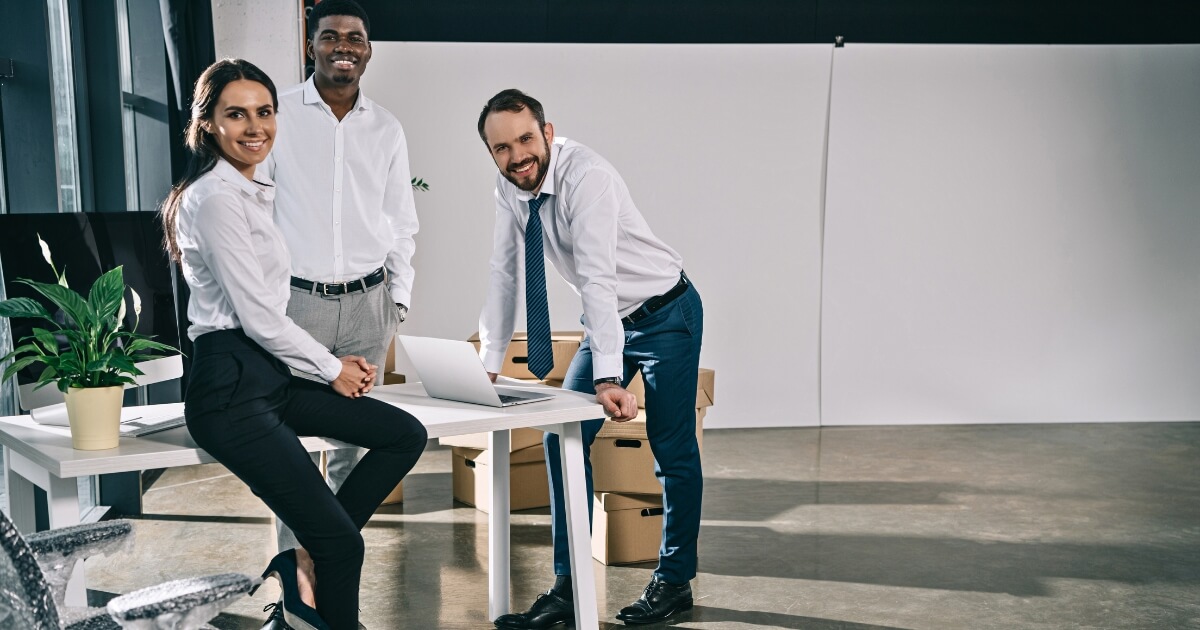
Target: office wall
1011, 235
722, 148
267, 33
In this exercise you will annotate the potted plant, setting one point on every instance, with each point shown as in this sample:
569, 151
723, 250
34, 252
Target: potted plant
86, 351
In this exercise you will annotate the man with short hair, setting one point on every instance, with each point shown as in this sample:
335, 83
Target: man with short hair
344, 203
560, 201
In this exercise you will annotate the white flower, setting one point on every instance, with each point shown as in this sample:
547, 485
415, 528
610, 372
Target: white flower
45, 251
137, 303
121, 313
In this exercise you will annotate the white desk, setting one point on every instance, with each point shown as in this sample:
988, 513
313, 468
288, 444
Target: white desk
43, 457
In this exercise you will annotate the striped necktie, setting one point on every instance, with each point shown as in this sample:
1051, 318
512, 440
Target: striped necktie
537, 312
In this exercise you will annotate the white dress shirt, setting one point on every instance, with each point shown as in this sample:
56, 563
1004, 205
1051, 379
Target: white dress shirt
596, 239
237, 266
345, 199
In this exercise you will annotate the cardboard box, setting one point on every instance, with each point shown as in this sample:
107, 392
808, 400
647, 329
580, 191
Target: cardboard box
706, 382
622, 461
636, 429
397, 495
529, 487
518, 439
392, 378
516, 358
626, 528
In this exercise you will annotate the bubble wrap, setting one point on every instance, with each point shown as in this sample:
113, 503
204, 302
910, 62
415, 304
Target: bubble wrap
87, 619
181, 604
58, 550
25, 600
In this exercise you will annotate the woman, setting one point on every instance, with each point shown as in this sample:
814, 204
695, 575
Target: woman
242, 404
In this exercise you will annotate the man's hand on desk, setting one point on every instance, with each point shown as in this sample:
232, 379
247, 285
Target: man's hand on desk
357, 377
619, 403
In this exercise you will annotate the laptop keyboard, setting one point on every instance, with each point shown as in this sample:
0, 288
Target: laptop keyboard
505, 398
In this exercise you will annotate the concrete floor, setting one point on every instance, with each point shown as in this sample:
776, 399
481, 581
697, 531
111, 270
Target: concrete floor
1016, 526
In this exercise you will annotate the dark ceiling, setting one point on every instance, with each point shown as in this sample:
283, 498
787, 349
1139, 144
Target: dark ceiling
789, 21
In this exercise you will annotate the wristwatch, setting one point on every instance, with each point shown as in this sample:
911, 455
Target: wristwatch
403, 311
612, 380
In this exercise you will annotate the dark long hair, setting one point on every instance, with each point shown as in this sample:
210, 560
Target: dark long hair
201, 145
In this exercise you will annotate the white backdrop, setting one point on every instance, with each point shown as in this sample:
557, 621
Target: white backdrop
1011, 235
722, 147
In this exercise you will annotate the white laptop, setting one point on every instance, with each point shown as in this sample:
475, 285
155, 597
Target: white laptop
451, 370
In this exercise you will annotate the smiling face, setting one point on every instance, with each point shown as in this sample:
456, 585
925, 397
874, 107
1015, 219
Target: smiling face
521, 150
243, 123
340, 49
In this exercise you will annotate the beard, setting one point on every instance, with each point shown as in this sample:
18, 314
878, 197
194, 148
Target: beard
543, 164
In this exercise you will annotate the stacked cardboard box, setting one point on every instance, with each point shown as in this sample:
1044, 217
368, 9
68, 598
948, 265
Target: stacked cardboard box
471, 470
628, 510
626, 528
516, 359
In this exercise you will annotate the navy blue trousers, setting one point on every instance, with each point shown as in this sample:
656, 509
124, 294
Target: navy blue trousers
665, 347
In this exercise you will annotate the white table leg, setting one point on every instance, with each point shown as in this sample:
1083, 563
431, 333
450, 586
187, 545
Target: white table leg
498, 527
63, 502
62, 499
583, 581
21, 508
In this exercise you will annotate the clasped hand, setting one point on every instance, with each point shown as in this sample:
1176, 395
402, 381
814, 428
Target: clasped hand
357, 377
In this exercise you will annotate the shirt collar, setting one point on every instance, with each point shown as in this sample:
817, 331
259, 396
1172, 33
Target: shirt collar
261, 186
313, 97
548, 184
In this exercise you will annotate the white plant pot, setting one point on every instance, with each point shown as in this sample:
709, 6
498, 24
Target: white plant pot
95, 416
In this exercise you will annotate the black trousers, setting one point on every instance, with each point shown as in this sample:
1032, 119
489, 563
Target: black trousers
245, 409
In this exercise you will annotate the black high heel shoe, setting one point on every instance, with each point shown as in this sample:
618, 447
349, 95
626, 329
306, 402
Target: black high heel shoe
296, 613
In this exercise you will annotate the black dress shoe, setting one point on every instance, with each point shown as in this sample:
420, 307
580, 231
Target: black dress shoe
658, 601
547, 610
275, 621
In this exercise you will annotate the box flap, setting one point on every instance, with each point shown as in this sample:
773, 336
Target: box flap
484, 457
633, 429
612, 502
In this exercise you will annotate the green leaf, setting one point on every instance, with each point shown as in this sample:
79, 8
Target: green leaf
66, 299
98, 365
147, 344
19, 350
124, 364
107, 291
23, 307
17, 366
48, 340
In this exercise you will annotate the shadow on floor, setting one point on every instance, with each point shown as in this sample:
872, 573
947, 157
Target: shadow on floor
765, 499
756, 619
939, 563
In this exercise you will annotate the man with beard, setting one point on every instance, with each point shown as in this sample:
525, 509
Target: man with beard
561, 201
344, 203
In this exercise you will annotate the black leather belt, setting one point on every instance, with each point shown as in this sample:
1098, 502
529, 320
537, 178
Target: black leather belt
339, 288
653, 304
